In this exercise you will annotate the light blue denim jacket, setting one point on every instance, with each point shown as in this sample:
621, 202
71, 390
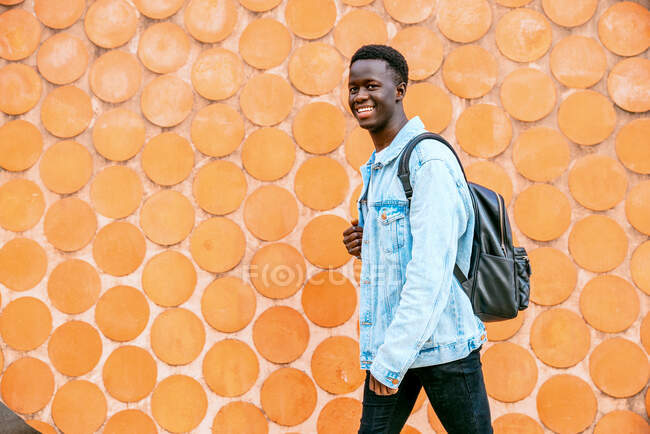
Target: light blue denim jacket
412, 311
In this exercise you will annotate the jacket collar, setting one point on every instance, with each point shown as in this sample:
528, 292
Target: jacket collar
387, 155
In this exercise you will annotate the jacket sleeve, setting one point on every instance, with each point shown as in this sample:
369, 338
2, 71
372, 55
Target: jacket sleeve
437, 218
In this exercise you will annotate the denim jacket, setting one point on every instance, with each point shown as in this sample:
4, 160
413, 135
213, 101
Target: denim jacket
412, 311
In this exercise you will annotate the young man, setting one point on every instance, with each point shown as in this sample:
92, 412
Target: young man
417, 325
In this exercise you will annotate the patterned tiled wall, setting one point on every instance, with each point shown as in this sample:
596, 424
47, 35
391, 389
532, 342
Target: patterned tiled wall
175, 176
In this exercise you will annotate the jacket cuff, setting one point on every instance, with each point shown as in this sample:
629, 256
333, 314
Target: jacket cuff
385, 376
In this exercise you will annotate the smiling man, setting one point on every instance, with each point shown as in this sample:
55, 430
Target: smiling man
417, 327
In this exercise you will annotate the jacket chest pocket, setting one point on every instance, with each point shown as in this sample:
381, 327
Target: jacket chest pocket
392, 230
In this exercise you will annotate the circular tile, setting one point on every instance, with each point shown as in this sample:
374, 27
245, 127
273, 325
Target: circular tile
504, 330
357, 28
131, 419
116, 192
157, 9
66, 111
232, 184
228, 304
321, 241
217, 73
268, 154
528, 94
62, 59
597, 182
70, 224
239, 416
177, 336
115, 76
421, 47
357, 2
492, 176
483, 130
329, 299
354, 211
598, 243
609, 303
523, 35
358, 147
433, 420
59, 14
25, 323
337, 413
335, 365
266, 99
281, 334
431, 103
20, 145
179, 403
628, 84
22, 264
586, 117
210, 21
20, 88
555, 276
167, 159
163, 47
20, 33
619, 367
169, 278
644, 332
118, 134
463, 20
319, 127
566, 403
637, 208
560, 338
640, 267
277, 270
315, 68
623, 28
27, 385
573, 15
166, 101
21, 204
79, 406
42, 427
542, 212
110, 23
73, 286
66, 167
516, 423
288, 396
633, 145
74, 348
270, 213
408, 12
167, 217
470, 71
119, 248
122, 313
265, 43
217, 244
510, 372
621, 421
217, 130
310, 19
230, 368
541, 154
321, 183
578, 61
129, 373
259, 5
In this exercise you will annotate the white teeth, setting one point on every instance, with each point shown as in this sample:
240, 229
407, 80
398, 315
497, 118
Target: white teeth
364, 109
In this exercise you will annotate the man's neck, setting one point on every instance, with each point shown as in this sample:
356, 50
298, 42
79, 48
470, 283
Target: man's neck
384, 137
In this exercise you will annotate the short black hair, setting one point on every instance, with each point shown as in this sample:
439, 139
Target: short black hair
396, 62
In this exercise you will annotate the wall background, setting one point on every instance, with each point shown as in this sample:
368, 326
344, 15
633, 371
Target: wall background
592, 159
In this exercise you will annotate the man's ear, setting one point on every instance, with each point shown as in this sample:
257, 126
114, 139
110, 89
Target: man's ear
400, 91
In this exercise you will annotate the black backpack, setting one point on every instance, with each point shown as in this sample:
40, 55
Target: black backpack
498, 284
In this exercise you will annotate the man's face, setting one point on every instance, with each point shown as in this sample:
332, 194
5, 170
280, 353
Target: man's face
373, 93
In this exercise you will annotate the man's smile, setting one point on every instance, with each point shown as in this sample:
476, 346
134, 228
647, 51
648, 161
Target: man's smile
364, 111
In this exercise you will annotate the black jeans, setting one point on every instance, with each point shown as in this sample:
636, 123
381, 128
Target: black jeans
456, 391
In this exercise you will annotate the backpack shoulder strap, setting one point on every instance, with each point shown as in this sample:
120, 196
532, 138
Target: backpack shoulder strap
404, 174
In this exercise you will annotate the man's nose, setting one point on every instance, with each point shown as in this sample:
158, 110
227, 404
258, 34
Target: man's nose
361, 95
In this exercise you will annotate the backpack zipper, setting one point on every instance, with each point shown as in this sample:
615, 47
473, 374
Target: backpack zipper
503, 247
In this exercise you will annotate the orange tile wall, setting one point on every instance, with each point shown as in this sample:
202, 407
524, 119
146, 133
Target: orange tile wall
175, 176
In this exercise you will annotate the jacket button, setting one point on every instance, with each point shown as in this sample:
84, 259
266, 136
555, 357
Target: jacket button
383, 216
395, 381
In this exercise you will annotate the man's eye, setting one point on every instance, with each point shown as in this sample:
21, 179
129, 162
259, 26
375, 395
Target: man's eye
372, 86
352, 90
